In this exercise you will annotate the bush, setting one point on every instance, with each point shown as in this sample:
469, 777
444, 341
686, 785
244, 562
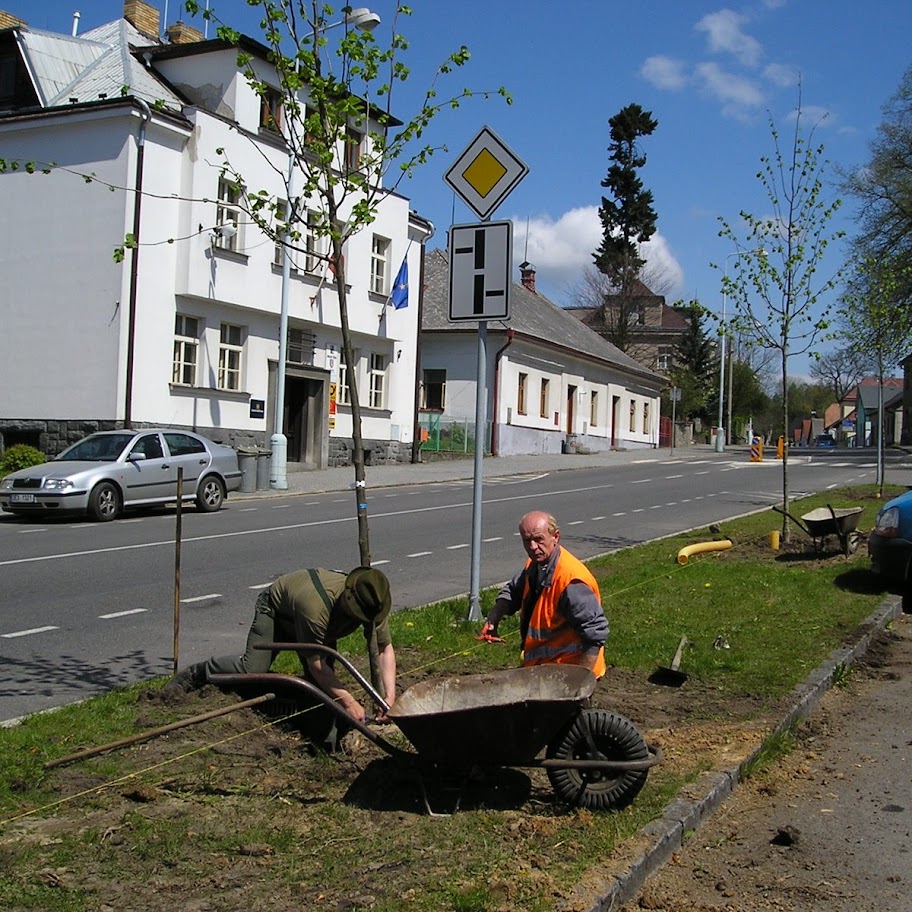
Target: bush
20, 456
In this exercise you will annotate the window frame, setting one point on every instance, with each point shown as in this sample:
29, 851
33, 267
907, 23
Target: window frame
184, 342
544, 397
377, 380
433, 379
379, 271
352, 142
272, 111
522, 381
227, 210
593, 408
231, 358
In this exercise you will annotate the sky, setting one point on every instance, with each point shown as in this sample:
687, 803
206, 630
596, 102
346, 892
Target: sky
712, 74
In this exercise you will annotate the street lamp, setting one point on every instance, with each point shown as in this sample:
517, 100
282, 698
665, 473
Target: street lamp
721, 432
364, 19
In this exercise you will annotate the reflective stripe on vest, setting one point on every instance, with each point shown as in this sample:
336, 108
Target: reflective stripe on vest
549, 638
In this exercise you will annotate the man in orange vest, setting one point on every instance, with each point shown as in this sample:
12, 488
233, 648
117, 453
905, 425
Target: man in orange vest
561, 616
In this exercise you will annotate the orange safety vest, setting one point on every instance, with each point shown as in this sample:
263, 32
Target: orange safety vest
550, 639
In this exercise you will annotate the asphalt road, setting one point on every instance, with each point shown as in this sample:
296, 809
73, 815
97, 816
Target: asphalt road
89, 606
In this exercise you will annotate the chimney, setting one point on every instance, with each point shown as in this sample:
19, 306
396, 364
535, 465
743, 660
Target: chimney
179, 33
528, 276
8, 20
144, 17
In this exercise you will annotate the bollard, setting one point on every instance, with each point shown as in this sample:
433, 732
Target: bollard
780, 448
756, 450
774, 540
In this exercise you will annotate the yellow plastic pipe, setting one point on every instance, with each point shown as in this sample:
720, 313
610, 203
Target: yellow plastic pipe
702, 547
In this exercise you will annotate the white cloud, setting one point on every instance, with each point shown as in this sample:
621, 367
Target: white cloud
664, 72
725, 35
738, 95
782, 74
562, 248
813, 116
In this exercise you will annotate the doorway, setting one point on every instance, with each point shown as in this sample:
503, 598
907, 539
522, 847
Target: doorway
571, 401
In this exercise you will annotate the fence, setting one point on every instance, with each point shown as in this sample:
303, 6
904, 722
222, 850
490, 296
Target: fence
443, 434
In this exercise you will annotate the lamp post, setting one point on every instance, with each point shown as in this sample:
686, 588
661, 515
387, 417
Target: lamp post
721, 432
366, 20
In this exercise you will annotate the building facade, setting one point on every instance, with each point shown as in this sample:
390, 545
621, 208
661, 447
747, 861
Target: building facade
136, 291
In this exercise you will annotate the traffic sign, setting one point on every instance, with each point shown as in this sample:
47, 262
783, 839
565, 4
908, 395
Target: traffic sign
481, 261
486, 173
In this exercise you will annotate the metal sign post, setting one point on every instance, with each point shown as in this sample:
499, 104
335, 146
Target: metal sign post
481, 265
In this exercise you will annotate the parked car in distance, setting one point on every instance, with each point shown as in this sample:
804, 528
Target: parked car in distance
108, 472
824, 440
890, 541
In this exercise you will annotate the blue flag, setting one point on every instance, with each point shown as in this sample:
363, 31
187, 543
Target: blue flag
399, 294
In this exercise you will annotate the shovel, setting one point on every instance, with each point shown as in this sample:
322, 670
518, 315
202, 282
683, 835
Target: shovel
671, 677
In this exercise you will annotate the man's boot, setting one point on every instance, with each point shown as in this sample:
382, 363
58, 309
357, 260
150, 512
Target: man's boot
190, 678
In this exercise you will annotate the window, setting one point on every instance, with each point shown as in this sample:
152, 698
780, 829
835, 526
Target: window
633, 416
543, 398
227, 210
433, 390
186, 350
148, 446
343, 393
279, 224
665, 360
377, 380
593, 409
271, 110
183, 444
312, 244
521, 393
299, 347
230, 349
352, 149
379, 267
645, 417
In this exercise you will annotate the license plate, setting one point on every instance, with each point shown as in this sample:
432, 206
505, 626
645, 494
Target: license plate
22, 498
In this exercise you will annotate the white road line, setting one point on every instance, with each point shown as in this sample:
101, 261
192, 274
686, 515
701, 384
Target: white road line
201, 598
120, 614
260, 586
249, 510
672, 503
656, 507
702, 473
456, 547
420, 554
641, 461
127, 522
29, 531
639, 510
667, 477
686, 500
281, 506
378, 563
641, 481
340, 500
25, 633
496, 538
597, 518
620, 514
576, 522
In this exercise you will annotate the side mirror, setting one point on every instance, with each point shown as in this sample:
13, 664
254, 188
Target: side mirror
136, 457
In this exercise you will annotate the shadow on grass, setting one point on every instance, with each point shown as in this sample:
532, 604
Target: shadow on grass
388, 784
863, 581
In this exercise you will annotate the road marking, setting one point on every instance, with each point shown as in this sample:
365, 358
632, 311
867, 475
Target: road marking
29, 531
620, 514
260, 586
702, 473
496, 538
201, 598
641, 481
668, 477
454, 547
420, 554
639, 510
576, 522
127, 522
672, 503
641, 461
378, 563
656, 507
597, 518
120, 614
249, 510
25, 633
281, 506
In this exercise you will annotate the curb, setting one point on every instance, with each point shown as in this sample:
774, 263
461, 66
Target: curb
701, 799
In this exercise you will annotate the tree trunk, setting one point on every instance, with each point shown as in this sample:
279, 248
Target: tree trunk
786, 528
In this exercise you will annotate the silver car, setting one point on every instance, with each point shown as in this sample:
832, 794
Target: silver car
110, 471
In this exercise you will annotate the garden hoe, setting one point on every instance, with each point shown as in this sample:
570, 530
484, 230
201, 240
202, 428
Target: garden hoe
671, 677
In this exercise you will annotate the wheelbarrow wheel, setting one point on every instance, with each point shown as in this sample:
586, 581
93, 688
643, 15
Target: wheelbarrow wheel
614, 738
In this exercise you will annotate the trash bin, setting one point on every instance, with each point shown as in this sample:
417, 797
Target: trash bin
247, 463
262, 469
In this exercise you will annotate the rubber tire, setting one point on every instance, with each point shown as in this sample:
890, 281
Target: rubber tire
104, 502
210, 495
615, 738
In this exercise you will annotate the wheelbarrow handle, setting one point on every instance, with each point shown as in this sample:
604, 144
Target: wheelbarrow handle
795, 520
333, 654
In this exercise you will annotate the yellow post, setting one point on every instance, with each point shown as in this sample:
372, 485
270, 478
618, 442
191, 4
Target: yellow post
780, 448
774, 540
756, 450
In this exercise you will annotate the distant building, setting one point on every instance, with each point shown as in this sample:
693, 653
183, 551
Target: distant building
654, 327
553, 385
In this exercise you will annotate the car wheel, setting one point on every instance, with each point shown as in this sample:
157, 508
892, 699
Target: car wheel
104, 502
614, 738
210, 494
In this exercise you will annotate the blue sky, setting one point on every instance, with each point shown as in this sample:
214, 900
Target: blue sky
711, 73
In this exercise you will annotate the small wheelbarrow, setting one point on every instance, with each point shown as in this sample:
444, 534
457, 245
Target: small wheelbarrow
593, 758
825, 521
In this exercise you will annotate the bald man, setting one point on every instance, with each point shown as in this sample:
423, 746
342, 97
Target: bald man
561, 616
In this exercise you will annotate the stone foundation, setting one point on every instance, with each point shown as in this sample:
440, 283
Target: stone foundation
376, 452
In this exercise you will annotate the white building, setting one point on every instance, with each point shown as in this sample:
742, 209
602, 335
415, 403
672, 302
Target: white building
553, 385
184, 331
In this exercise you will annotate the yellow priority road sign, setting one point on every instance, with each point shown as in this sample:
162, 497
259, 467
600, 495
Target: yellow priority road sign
486, 173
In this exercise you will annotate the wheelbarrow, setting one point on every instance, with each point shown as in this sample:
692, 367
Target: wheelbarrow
593, 758
825, 521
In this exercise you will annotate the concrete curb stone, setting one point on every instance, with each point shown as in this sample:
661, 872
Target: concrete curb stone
665, 835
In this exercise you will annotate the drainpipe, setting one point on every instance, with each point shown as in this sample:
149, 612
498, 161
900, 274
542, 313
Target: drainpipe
495, 437
134, 261
416, 428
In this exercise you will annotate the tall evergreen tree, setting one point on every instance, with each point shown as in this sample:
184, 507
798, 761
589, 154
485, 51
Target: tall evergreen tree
627, 216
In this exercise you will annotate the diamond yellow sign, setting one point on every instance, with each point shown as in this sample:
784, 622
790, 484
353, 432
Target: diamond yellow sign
486, 173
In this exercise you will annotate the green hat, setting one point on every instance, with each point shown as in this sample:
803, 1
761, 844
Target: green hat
367, 594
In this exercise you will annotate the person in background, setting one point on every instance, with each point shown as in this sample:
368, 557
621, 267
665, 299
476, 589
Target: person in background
561, 616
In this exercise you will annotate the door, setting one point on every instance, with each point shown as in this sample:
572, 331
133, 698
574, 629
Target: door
571, 401
303, 428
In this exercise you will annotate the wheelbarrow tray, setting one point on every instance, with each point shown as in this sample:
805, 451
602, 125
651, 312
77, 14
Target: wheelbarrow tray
832, 521
501, 718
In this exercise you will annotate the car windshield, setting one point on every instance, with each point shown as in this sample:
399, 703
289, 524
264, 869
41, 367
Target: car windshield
97, 448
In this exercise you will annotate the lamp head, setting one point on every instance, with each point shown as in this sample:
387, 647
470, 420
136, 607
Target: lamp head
362, 18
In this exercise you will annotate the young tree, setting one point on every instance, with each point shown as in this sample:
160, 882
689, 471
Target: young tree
327, 98
877, 313
776, 289
841, 369
628, 218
